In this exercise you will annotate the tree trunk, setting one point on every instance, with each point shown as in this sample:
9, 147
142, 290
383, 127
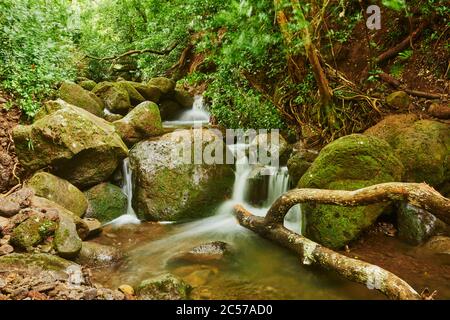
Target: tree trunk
271, 227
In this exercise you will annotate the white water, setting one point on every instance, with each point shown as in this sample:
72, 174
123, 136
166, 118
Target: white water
198, 115
127, 188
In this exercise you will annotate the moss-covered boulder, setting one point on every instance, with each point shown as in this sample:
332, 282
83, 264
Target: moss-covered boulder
60, 191
67, 243
74, 94
184, 98
41, 260
142, 122
423, 146
399, 100
165, 85
32, 232
349, 163
149, 92
164, 287
88, 85
169, 186
106, 202
135, 97
114, 97
97, 255
76, 145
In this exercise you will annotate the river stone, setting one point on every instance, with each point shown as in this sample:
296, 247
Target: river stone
399, 100
170, 187
149, 92
94, 227
4, 222
416, 225
142, 122
423, 146
97, 255
170, 110
164, 287
88, 85
184, 98
67, 242
78, 146
349, 163
215, 252
114, 97
438, 245
12, 204
31, 232
299, 162
59, 191
165, 85
75, 95
41, 260
135, 97
106, 202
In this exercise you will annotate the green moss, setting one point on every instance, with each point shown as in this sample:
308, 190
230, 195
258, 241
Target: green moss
165, 287
106, 202
115, 97
77, 96
31, 232
42, 260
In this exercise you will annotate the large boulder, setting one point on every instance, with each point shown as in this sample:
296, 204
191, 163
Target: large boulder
76, 145
60, 191
135, 97
88, 85
142, 122
114, 96
423, 146
74, 94
164, 287
165, 85
349, 163
106, 202
149, 92
169, 186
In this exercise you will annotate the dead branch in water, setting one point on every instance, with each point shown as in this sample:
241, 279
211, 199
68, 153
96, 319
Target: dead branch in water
271, 227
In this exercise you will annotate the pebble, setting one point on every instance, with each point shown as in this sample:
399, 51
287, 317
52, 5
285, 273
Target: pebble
6, 249
126, 289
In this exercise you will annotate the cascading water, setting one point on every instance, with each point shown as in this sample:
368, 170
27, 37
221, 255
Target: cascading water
198, 115
127, 188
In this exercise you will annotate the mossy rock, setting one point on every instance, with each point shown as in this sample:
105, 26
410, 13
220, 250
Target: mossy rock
399, 100
74, 94
106, 202
149, 92
67, 243
169, 186
184, 98
135, 97
165, 85
75, 144
349, 163
60, 191
88, 85
423, 146
32, 232
142, 122
42, 260
299, 162
115, 97
164, 287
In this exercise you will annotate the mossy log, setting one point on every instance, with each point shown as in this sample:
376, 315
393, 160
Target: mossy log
271, 227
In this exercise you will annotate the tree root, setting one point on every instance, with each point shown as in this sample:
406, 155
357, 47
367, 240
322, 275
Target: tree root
271, 227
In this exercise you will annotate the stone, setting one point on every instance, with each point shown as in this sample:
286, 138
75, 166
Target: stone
4, 222
32, 232
6, 249
184, 98
299, 162
164, 287
88, 85
59, 191
12, 204
165, 85
97, 255
169, 186
106, 202
126, 289
279, 148
95, 227
438, 245
215, 252
135, 97
77, 96
398, 100
142, 122
114, 97
78, 146
67, 243
149, 92
423, 146
170, 110
349, 163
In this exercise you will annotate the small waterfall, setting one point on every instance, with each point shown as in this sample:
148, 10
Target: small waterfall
198, 115
127, 188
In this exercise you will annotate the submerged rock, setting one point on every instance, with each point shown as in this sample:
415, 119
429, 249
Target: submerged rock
169, 186
106, 202
97, 255
114, 97
438, 245
59, 191
76, 145
208, 253
349, 163
142, 122
165, 287
423, 146
77, 96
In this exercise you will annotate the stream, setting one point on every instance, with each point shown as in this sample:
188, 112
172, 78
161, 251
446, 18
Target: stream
258, 270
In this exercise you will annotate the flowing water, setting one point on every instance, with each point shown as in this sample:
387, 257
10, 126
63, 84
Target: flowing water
198, 115
259, 269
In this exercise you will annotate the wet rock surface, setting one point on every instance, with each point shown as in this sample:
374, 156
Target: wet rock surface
216, 252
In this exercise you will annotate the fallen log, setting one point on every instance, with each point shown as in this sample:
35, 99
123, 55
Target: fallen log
374, 277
